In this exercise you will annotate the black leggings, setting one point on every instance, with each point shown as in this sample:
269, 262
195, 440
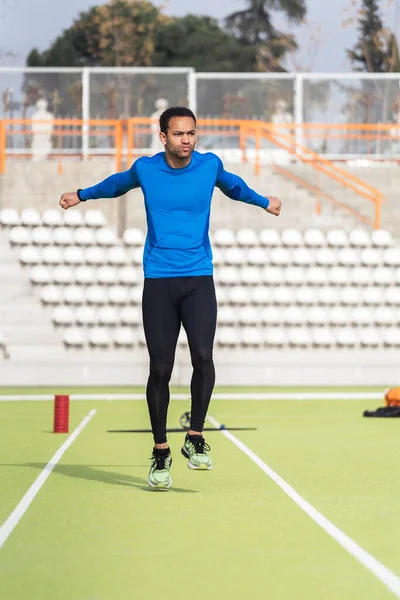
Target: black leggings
168, 303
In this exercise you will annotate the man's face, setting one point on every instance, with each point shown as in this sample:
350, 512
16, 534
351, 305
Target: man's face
181, 137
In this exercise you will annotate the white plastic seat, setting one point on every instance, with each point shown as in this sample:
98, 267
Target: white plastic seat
133, 237
118, 295
224, 237
269, 237
74, 338
228, 275
383, 276
299, 337
359, 238
391, 257
74, 295
250, 275
373, 296
128, 275
9, 217
384, 315
292, 238
381, 238
345, 336
221, 295
99, 338
338, 276
272, 315
279, 256
84, 275
256, 256
246, 237
361, 315
391, 337
84, 236
325, 257
238, 295
305, 296
328, 296
275, 336
42, 236
41, 275
52, 217
369, 337
62, 236
20, 236
93, 217
136, 255
73, 255
136, 294
218, 256
251, 336
391, 296
63, 315
283, 295
248, 315
52, 255
337, 238
303, 256
124, 337
294, 315
106, 275
96, 295
94, 256
108, 315
350, 295
349, 257
396, 276
360, 276
294, 275
117, 255
130, 315
51, 294
73, 218
260, 295
86, 315
227, 315
234, 256
273, 275
370, 257
30, 217
316, 275
317, 315
227, 336
30, 255
315, 238
322, 337
339, 315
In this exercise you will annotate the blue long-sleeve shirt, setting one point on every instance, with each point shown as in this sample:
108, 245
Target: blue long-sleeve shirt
177, 203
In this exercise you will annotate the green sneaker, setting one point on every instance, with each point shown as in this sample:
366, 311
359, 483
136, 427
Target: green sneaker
159, 475
195, 449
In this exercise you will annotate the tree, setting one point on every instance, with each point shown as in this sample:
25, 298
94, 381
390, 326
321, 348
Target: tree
253, 26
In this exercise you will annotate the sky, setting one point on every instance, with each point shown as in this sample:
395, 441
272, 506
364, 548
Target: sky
323, 40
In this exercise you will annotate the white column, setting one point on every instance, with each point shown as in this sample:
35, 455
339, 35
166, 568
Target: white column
192, 90
85, 111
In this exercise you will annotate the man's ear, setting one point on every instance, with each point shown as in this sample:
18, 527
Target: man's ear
163, 138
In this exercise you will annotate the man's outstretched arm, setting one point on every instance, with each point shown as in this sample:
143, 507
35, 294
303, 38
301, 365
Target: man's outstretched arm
112, 187
236, 188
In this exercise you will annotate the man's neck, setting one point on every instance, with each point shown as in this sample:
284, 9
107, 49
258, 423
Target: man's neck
177, 163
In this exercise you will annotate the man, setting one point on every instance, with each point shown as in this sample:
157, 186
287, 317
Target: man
178, 284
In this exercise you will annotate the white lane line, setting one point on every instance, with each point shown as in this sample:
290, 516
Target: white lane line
217, 396
9, 525
387, 577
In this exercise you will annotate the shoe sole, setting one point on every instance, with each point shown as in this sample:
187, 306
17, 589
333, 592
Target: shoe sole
160, 486
192, 466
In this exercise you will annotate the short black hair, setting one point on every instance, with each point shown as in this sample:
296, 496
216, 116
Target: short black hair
174, 111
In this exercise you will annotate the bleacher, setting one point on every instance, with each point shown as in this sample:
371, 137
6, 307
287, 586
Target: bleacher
276, 288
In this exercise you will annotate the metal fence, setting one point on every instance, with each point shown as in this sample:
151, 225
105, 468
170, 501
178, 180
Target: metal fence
285, 98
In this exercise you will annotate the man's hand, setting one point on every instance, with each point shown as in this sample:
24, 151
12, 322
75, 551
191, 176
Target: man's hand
68, 200
274, 206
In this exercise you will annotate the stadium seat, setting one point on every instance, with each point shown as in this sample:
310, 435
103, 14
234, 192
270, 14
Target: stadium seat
391, 296
317, 315
322, 337
106, 275
359, 238
86, 316
52, 217
52, 255
133, 237
361, 315
369, 337
136, 255
305, 296
291, 238
391, 257
238, 295
105, 236
299, 337
269, 238
337, 238
128, 275
279, 257
117, 255
9, 217
302, 257
84, 275
391, 337
234, 256
256, 256
228, 275
273, 275
94, 256
346, 337
224, 237
51, 294
338, 276
249, 315
63, 316
20, 236
93, 217
251, 336
316, 275
338, 315
250, 275
325, 257
383, 275
124, 337
246, 237
135, 294
370, 257
272, 315
99, 337
350, 296
130, 315
227, 315
30, 217
384, 315
41, 275
294, 275
74, 338
221, 295
108, 315
73, 255
275, 336
84, 236
74, 295
227, 336
314, 238
328, 296
294, 315
218, 256
381, 238
96, 295
349, 257
360, 276
73, 218
42, 236
62, 236
259, 295
118, 295
282, 295
30, 255
373, 296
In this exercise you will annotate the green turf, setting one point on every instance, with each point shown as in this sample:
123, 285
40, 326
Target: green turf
97, 532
